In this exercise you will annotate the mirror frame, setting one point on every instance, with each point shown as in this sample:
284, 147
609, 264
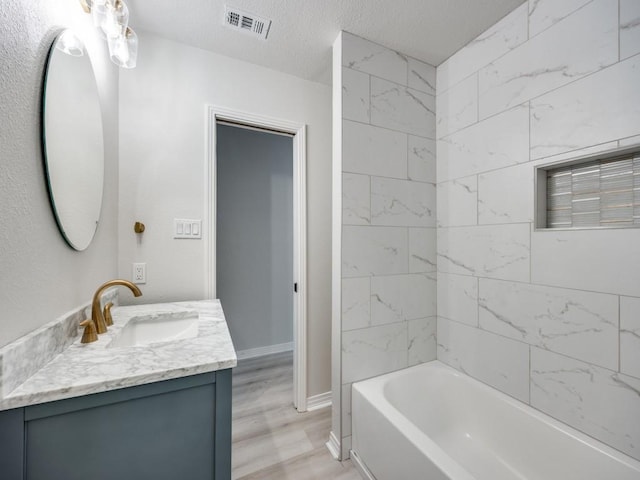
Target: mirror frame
75, 193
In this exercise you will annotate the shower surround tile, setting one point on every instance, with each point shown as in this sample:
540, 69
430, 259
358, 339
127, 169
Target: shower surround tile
629, 28
388, 234
581, 325
365, 56
496, 251
373, 151
597, 401
497, 361
422, 340
421, 163
629, 141
398, 298
355, 95
496, 142
458, 107
577, 46
346, 410
356, 199
356, 303
458, 298
422, 76
402, 203
458, 202
504, 36
373, 351
588, 112
422, 250
506, 195
630, 336
544, 13
561, 90
400, 108
374, 251
566, 259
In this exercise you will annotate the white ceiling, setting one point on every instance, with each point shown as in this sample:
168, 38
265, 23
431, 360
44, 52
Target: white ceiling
303, 31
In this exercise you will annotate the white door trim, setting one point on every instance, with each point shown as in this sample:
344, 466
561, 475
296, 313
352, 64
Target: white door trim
298, 130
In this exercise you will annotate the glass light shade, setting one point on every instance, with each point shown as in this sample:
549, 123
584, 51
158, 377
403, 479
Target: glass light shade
86, 5
70, 44
116, 19
98, 12
123, 50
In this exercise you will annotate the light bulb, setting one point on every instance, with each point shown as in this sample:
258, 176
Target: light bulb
70, 44
116, 18
123, 50
98, 12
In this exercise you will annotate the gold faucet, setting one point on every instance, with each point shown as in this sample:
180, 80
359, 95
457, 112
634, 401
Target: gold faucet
96, 312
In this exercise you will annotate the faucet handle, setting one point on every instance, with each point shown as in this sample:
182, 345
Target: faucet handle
89, 335
108, 319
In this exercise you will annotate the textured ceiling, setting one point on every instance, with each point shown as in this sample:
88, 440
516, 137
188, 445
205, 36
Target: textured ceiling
303, 31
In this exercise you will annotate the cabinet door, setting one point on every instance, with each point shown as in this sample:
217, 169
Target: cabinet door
12, 444
165, 436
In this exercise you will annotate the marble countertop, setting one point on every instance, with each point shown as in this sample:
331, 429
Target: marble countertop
83, 369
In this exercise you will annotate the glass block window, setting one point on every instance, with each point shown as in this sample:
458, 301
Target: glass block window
596, 193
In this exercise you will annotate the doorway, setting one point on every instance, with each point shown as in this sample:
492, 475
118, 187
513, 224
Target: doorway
254, 237
256, 249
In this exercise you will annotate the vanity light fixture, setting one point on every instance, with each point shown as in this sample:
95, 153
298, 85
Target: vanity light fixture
111, 18
123, 49
70, 44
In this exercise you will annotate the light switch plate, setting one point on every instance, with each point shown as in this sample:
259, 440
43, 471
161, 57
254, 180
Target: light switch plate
187, 228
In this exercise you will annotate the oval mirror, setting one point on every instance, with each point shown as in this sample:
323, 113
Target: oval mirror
73, 140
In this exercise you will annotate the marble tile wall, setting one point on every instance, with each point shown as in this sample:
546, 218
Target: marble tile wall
388, 258
549, 317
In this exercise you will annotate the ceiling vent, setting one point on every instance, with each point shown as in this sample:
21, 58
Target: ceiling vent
246, 22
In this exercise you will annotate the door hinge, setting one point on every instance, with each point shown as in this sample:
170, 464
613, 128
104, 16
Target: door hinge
295, 287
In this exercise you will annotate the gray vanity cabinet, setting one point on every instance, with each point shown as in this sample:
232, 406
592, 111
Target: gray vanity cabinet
174, 429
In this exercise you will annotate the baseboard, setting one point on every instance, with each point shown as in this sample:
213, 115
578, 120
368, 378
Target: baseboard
333, 445
261, 351
361, 467
316, 402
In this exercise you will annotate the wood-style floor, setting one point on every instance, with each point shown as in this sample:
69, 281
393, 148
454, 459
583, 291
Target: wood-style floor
270, 439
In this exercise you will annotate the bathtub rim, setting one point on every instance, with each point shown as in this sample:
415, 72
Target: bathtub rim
443, 461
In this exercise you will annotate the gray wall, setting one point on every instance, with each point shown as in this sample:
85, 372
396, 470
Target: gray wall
255, 235
40, 276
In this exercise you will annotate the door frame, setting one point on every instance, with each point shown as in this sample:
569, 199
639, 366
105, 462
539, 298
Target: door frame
298, 130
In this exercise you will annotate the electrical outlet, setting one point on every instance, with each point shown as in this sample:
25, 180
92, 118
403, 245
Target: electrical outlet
139, 273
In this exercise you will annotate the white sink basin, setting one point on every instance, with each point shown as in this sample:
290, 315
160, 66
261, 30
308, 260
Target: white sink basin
157, 327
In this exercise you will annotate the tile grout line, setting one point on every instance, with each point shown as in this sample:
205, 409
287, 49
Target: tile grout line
393, 81
529, 38
530, 376
619, 35
535, 284
546, 159
530, 345
393, 130
512, 107
619, 334
478, 302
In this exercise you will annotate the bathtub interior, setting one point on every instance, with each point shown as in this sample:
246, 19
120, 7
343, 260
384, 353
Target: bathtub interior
492, 436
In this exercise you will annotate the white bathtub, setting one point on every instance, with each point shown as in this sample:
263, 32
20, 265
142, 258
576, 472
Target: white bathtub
431, 422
